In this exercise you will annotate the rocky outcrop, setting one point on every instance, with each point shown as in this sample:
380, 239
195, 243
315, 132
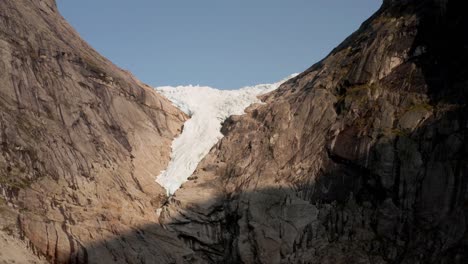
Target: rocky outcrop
360, 159
81, 144
363, 158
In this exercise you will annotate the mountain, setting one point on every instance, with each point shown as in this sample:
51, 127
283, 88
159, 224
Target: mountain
362, 158
82, 142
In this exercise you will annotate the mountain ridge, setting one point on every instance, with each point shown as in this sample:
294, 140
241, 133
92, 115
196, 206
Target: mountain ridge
81, 140
359, 159
362, 158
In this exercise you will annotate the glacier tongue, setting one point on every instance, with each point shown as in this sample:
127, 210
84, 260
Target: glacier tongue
208, 108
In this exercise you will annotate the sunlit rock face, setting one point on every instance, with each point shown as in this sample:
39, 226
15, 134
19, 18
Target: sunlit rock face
360, 159
81, 143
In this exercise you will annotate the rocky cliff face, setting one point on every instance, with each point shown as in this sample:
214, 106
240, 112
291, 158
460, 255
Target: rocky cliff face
81, 144
363, 158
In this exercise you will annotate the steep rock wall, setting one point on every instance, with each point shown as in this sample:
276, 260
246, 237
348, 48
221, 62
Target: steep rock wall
360, 159
81, 144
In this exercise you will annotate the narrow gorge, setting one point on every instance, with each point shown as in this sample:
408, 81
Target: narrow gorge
362, 158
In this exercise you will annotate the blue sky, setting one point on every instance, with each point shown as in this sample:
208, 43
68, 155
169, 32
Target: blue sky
224, 44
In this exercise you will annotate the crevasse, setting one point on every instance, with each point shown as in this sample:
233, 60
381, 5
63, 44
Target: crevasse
208, 108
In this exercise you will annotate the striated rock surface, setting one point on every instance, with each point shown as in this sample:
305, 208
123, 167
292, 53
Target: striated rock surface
363, 158
81, 144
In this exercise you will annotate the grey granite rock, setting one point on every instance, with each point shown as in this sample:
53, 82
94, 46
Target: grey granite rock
360, 159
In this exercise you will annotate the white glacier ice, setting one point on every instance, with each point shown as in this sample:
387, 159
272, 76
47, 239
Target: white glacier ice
208, 108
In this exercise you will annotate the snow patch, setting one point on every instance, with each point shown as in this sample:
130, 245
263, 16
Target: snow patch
208, 108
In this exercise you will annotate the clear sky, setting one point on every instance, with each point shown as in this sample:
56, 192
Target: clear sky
220, 43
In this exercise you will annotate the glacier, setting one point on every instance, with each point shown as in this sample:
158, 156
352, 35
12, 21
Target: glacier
208, 108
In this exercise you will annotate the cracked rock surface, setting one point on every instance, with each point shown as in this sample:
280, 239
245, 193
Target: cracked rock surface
360, 159
81, 144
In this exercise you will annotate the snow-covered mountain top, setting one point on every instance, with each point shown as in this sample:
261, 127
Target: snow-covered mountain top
208, 107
